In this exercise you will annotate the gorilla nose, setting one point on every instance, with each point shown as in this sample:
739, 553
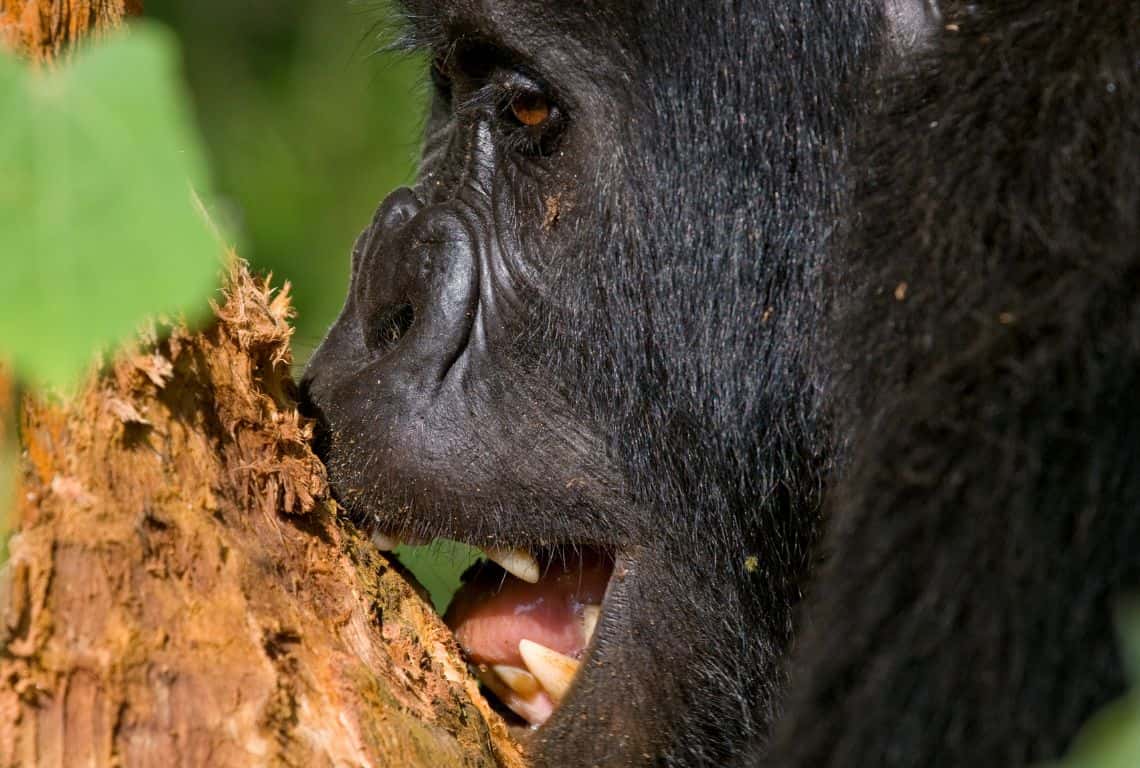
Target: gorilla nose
414, 284
397, 209
385, 312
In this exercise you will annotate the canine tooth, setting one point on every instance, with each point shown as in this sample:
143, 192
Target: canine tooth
590, 614
517, 562
535, 708
518, 680
383, 542
552, 669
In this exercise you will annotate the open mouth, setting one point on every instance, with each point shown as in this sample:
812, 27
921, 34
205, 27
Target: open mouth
525, 622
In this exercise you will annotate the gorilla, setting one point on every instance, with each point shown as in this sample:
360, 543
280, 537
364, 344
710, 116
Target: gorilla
783, 357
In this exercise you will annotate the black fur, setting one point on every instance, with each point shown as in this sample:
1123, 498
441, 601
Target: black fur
988, 363
662, 329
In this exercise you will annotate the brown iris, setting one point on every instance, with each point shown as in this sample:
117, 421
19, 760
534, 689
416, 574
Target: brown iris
530, 108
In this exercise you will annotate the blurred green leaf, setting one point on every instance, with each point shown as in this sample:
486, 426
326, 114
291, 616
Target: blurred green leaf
1110, 740
98, 227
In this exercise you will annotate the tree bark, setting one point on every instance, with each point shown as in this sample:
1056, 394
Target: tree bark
7, 453
42, 29
182, 593
180, 590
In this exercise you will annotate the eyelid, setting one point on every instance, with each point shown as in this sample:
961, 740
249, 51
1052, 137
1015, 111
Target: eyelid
497, 95
487, 82
520, 82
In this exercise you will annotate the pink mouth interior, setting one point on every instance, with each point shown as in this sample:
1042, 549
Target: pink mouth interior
494, 610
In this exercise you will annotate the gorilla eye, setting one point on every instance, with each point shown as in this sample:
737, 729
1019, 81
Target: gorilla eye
530, 109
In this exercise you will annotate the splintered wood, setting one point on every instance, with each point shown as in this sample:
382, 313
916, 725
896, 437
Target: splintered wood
42, 29
181, 592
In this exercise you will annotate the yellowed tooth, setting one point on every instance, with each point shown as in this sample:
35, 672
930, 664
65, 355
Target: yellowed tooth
590, 614
536, 708
383, 542
517, 562
518, 680
554, 671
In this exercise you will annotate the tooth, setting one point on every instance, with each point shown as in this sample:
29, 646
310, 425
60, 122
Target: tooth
383, 542
518, 680
535, 708
590, 614
517, 562
552, 669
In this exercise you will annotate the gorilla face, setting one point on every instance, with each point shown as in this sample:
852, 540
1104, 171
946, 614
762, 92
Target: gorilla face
434, 380
592, 341
582, 343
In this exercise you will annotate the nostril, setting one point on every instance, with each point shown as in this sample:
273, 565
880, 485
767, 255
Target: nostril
305, 402
307, 405
398, 209
387, 327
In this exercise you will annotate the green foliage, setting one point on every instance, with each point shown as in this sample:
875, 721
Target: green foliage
307, 128
98, 228
1111, 739
438, 566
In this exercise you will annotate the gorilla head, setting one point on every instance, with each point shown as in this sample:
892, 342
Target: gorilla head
583, 337
588, 341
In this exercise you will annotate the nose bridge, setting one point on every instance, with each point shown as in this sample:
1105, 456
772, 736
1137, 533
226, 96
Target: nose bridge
407, 237
416, 268
479, 163
466, 170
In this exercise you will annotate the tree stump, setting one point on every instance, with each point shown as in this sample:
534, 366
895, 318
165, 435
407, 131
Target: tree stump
181, 592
